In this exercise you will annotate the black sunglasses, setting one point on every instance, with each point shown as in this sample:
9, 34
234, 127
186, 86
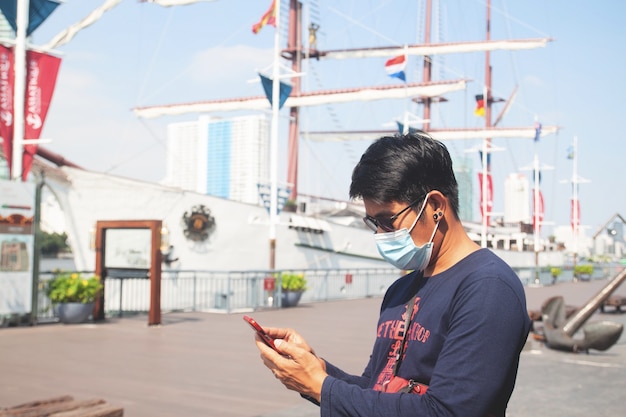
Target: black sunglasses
386, 224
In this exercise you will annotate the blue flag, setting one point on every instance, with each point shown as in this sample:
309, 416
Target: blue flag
537, 131
401, 128
38, 11
285, 90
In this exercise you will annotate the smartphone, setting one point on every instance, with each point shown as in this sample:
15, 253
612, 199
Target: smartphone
257, 328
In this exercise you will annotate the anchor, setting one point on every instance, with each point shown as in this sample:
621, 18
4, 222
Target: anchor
559, 330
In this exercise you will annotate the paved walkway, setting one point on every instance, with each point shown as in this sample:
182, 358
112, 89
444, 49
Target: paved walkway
207, 365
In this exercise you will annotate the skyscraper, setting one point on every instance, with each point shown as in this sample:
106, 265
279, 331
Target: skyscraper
464, 174
516, 199
222, 157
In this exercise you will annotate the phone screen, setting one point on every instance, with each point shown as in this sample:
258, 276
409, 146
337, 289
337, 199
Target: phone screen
257, 328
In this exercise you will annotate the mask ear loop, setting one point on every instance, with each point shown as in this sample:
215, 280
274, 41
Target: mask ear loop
434, 231
419, 214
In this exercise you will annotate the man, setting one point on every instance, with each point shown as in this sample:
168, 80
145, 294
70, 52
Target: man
466, 309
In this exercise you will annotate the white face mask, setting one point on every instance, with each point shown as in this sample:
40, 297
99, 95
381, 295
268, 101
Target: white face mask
399, 250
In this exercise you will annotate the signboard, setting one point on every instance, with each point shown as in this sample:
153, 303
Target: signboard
128, 248
17, 241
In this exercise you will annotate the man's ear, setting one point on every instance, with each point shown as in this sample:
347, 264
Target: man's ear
439, 204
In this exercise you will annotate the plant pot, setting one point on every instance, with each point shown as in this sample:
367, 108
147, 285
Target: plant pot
73, 312
290, 298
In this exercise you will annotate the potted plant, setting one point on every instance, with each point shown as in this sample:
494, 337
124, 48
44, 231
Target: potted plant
73, 296
583, 271
292, 286
555, 271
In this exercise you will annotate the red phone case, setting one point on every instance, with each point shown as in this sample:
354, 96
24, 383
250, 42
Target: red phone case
257, 328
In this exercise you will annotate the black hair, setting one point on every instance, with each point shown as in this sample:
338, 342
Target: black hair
402, 168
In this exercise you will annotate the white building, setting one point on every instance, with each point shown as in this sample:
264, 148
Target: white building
516, 199
221, 157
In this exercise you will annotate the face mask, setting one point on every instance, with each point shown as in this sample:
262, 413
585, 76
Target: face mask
399, 250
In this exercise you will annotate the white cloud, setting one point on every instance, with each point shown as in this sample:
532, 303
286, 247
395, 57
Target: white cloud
221, 65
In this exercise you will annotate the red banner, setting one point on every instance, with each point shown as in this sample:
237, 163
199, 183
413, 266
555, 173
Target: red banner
6, 101
575, 214
488, 197
42, 70
538, 210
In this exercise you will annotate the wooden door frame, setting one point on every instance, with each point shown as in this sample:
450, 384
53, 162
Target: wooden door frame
154, 315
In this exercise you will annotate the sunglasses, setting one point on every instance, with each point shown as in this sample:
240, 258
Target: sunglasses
386, 223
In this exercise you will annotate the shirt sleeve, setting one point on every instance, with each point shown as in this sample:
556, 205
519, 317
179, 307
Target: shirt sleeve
361, 381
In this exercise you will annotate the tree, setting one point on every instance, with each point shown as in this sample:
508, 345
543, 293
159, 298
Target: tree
53, 243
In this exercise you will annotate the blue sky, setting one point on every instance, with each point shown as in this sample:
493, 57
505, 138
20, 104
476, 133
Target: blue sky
142, 54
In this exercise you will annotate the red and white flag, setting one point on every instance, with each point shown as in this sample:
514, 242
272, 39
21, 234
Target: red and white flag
486, 199
395, 67
41, 75
575, 214
42, 70
538, 210
6, 101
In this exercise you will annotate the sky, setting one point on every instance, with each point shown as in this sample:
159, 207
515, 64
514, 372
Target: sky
142, 54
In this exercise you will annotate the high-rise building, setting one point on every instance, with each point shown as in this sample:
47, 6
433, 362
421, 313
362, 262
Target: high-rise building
516, 199
222, 157
464, 174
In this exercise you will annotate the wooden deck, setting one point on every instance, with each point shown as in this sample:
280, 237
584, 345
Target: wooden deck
199, 364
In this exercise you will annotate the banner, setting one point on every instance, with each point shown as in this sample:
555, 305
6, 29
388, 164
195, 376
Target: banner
41, 75
538, 210
488, 197
575, 215
42, 70
6, 101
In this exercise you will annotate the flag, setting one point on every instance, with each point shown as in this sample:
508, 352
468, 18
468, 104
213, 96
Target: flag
488, 197
570, 152
575, 214
38, 11
401, 128
480, 105
7, 73
41, 76
395, 67
537, 131
269, 18
539, 208
480, 153
285, 90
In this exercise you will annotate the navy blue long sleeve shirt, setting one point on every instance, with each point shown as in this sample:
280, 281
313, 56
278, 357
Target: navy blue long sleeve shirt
468, 328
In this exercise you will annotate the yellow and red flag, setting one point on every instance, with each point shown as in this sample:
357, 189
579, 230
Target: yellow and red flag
269, 18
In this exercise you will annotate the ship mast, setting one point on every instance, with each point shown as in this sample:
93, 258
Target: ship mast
428, 91
19, 86
274, 140
427, 66
294, 43
486, 168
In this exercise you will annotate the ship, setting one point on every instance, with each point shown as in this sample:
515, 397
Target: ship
207, 232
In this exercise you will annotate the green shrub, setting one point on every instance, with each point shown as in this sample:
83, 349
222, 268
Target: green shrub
73, 288
292, 282
583, 269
